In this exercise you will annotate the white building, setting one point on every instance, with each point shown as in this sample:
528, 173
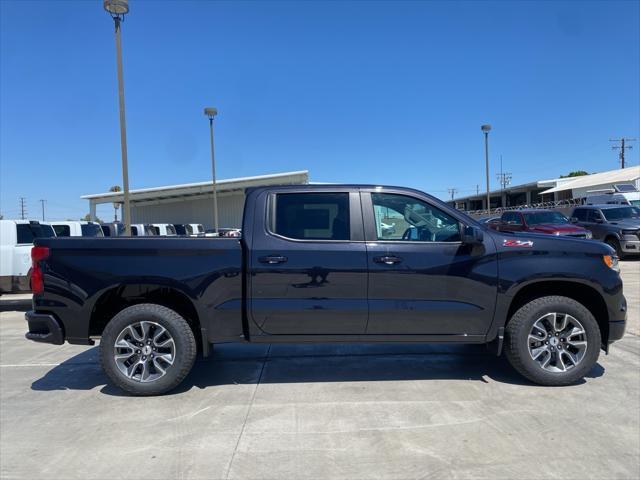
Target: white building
193, 202
549, 190
580, 187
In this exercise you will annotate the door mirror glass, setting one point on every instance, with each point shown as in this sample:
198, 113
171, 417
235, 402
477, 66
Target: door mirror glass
472, 235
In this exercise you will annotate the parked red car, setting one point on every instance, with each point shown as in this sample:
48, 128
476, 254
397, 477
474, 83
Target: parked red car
540, 221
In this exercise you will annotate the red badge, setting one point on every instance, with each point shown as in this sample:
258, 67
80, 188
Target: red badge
517, 243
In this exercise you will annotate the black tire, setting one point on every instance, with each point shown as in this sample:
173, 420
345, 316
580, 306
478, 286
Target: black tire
615, 244
517, 340
176, 326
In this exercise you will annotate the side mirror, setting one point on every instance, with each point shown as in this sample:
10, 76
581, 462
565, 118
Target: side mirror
472, 235
573, 220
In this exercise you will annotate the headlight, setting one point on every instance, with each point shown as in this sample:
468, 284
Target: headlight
611, 261
589, 234
629, 232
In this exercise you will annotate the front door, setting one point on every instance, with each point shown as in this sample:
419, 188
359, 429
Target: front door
308, 265
422, 279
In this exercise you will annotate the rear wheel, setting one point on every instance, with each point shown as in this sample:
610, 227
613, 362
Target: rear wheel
147, 349
553, 341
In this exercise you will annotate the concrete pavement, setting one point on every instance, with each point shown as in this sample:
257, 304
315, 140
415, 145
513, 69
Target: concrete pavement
318, 411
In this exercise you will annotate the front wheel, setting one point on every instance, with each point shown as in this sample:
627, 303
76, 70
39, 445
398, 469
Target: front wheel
147, 349
553, 340
615, 244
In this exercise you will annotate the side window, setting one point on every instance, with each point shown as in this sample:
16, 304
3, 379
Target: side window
580, 214
311, 216
398, 217
134, 231
62, 230
593, 215
512, 218
26, 232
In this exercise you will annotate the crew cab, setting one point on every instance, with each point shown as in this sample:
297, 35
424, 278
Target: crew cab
315, 264
539, 221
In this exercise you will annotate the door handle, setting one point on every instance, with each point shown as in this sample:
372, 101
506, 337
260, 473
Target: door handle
273, 259
388, 259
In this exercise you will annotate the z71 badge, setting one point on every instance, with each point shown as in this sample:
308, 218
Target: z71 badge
517, 243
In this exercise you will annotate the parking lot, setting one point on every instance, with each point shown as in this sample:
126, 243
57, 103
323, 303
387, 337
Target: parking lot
329, 411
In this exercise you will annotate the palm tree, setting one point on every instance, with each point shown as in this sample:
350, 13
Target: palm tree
116, 206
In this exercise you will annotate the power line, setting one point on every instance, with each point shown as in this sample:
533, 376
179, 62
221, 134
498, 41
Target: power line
622, 147
23, 207
452, 191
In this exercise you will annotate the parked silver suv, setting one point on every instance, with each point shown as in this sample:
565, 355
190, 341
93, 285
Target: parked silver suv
616, 225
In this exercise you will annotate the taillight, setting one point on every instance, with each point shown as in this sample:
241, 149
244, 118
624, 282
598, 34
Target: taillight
37, 279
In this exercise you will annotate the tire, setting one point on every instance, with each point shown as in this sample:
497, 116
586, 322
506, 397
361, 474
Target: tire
540, 312
615, 244
170, 349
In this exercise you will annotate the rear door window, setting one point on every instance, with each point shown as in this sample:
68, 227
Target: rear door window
26, 232
580, 214
62, 230
512, 218
91, 230
311, 216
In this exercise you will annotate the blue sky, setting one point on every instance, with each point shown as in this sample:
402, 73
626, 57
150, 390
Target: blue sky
369, 92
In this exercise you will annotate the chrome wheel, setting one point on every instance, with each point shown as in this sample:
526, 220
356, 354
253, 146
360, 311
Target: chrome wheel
143, 351
557, 342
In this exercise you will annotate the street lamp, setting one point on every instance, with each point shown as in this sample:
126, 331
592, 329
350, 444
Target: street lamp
118, 9
211, 112
486, 129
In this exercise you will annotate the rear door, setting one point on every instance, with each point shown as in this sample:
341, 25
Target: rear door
422, 278
308, 263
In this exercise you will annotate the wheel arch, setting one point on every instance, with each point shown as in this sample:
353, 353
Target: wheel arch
117, 298
582, 293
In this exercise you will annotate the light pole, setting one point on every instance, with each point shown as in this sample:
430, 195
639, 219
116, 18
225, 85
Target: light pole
485, 129
118, 9
211, 112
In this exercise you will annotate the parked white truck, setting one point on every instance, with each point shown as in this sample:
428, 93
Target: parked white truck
16, 240
77, 229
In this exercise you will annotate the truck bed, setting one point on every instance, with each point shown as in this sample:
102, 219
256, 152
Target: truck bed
82, 273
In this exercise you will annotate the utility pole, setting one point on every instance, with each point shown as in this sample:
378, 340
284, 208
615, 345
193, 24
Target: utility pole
42, 202
504, 178
622, 147
452, 192
23, 207
486, 129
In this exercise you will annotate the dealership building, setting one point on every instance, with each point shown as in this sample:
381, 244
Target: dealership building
553, 190
193, 202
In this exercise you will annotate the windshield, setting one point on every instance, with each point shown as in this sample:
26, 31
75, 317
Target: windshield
621, 213
545, 217
91, 230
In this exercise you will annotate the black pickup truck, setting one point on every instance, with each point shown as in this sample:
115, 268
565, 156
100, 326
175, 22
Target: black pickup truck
330, 263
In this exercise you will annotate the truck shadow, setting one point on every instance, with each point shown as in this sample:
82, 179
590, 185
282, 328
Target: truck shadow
280, 364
